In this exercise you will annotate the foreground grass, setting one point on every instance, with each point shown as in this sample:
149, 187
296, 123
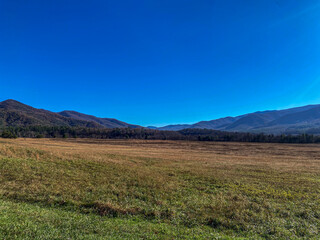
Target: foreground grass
29, 221
155, 189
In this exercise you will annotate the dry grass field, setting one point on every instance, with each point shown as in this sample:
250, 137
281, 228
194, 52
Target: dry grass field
136, 189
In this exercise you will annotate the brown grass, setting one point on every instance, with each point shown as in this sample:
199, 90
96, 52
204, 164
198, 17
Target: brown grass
268, 189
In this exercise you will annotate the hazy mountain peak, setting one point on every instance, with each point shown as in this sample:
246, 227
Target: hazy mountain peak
269, 121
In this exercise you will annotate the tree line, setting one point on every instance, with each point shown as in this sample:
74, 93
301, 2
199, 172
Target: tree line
145, 133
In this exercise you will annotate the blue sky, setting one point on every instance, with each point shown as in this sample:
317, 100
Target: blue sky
158, 62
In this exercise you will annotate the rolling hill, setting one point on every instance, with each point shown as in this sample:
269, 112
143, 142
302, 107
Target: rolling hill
14, 113
106, 122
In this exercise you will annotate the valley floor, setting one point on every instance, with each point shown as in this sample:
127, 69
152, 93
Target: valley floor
136, 189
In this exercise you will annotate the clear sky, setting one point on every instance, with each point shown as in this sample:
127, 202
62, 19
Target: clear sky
157, 62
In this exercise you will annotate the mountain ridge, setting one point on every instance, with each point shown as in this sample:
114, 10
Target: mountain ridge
14, 113
269, 121
291, 120
106, 122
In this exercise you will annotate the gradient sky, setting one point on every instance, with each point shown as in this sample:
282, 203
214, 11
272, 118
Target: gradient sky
157, 62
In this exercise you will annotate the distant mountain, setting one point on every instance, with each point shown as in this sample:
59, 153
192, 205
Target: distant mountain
175, 127
220, 123
293, 120
106, 122
152, 127
14, 113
